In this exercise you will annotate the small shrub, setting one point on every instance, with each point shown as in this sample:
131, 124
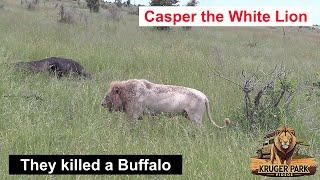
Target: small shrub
252, 44
31, 4
163, 28
66, 15
133, 11
313, 88
83, 17
118, 3
56, 5
93, 5
163, 3
186, 28
192, 3
114, 13
316, 83
266, 98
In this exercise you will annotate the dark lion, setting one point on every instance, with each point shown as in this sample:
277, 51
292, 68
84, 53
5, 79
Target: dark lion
55, 65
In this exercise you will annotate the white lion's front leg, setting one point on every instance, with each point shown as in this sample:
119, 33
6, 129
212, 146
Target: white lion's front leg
134, 110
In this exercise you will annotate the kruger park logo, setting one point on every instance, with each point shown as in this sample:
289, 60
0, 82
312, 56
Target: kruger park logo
281, 156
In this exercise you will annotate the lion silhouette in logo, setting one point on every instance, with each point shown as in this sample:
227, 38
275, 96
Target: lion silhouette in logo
284, 145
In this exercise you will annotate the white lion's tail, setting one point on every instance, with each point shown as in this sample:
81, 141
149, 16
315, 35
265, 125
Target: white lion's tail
226, 121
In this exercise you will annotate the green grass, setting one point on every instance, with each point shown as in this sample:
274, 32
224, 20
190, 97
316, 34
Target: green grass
70, 120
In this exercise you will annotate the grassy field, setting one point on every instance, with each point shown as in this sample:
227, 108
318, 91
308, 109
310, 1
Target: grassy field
67, 117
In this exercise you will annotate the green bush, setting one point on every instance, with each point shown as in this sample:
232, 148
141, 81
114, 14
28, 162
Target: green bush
266, 99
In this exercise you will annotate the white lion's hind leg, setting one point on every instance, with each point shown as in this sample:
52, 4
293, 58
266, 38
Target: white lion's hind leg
195, 117
195, 112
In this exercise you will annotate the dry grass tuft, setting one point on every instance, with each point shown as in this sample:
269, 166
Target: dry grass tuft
66, 15
31, 4
114, 12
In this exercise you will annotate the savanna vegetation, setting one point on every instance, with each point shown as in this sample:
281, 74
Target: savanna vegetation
40, 114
